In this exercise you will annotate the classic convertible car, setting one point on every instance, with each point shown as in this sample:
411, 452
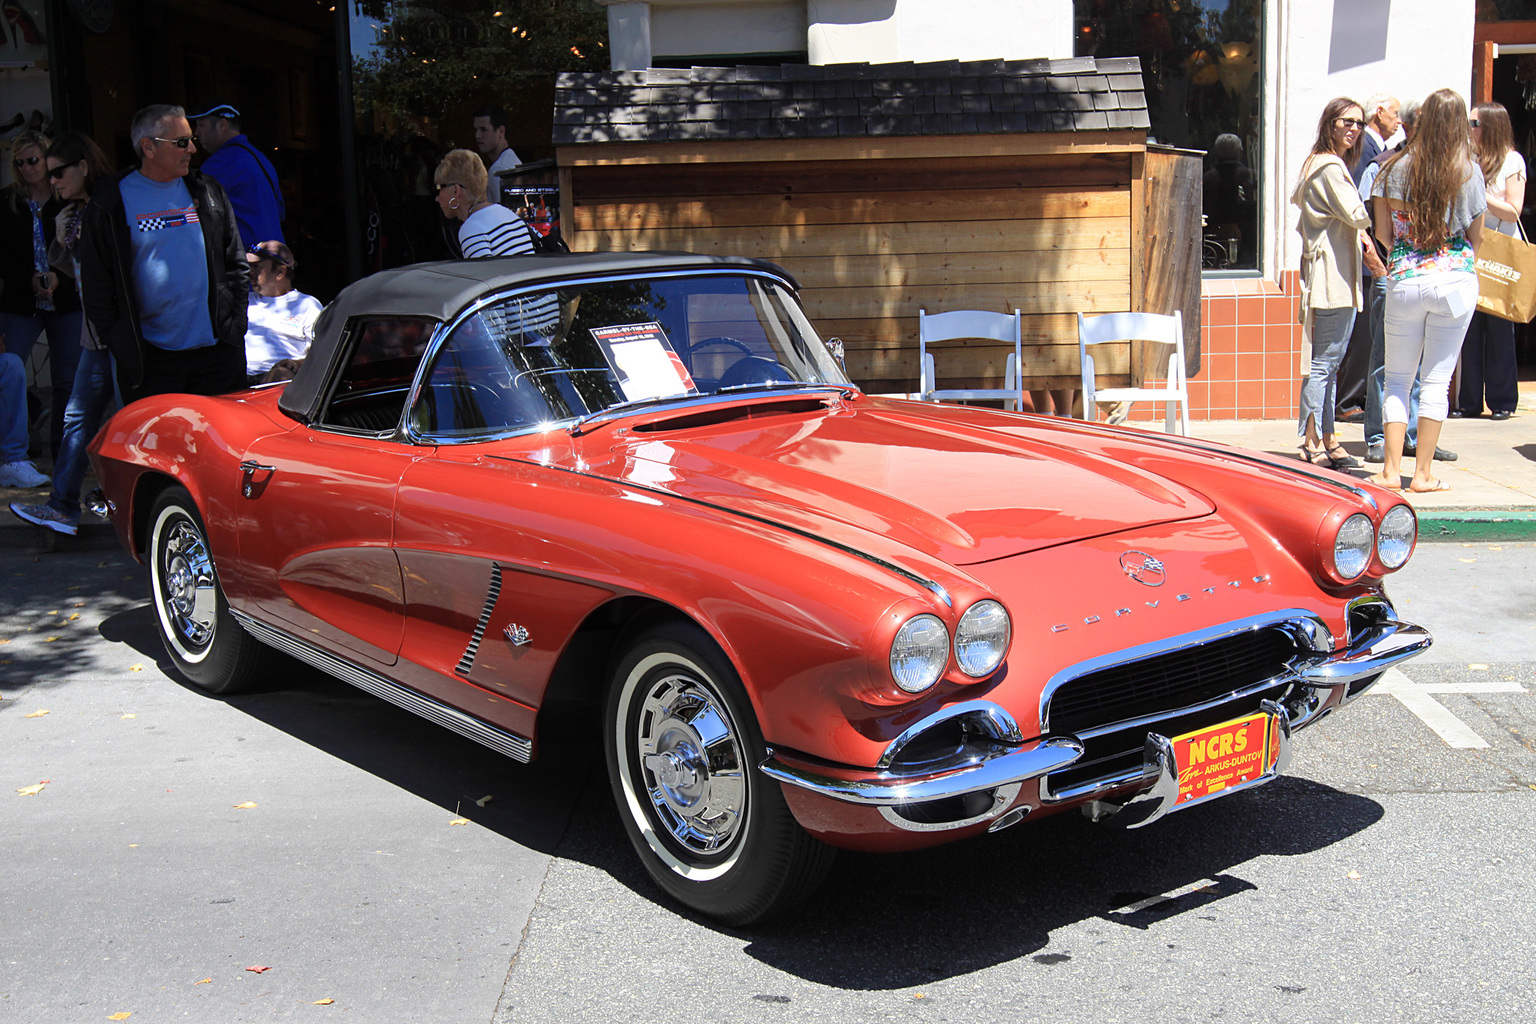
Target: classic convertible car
813, 618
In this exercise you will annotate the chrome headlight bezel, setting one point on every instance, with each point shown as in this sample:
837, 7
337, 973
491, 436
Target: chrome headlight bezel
919, 653
1353, 546
1396, 537
981, 638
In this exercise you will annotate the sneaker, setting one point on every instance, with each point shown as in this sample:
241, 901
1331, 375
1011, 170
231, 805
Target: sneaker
21, 473
46, 516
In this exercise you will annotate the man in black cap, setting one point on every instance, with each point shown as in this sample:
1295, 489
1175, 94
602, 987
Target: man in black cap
246, 174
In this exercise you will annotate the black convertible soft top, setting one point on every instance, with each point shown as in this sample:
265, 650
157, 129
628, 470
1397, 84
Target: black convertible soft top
442, 290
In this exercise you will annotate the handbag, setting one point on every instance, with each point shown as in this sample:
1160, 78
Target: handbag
1506, 276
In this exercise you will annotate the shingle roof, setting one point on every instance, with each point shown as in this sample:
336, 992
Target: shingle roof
791, 101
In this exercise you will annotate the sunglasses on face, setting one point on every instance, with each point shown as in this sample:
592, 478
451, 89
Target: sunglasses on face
446, 184
181, 143
26, 161
1475, 123
1350, 122
55, 173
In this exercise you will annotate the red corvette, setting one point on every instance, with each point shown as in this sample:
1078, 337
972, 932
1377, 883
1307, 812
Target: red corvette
813, 618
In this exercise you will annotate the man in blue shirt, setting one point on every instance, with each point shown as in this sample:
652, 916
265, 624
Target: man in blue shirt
244, 171
163, 275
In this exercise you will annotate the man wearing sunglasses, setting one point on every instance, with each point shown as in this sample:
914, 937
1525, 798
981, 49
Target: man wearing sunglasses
163, 275
246, 174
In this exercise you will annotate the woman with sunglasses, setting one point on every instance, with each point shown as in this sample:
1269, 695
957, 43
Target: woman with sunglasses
75, 165
1334, 245
485, 229
31, 301
1488, 365
1434, 199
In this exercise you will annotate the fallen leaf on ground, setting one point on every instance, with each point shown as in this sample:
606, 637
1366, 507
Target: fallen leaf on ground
133, 846
121, 1016
6, 640
130, 716
1467, 560
39, 713
245, 807
258, 969
51, 639
135, 668
54, 612
322, 1002
459, 821
32, 790
484, 800
73, 617
1353, 875
78, 604
205, 981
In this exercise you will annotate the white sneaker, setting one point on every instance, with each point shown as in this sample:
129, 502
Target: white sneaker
21, 473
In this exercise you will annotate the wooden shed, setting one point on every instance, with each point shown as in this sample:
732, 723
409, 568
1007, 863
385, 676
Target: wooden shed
884, 189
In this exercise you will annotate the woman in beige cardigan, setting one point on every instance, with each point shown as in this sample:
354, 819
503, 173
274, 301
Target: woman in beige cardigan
1334, 244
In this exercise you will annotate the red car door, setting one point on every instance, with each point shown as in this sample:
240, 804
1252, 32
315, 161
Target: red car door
316, 536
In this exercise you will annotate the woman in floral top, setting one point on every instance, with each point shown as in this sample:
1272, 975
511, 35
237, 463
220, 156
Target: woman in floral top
1432, 218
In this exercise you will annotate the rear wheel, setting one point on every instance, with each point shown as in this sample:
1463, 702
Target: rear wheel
683, 748
203, 639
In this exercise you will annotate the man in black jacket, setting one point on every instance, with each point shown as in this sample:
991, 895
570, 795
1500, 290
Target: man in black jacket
163, 275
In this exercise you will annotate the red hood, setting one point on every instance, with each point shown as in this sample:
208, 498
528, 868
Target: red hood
922, 477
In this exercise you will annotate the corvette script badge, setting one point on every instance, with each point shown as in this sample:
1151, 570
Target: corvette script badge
1143, 568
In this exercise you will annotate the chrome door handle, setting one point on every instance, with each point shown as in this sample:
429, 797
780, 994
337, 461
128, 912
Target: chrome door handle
248, 469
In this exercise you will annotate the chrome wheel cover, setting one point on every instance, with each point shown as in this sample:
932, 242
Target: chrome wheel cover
684, 766
186, 587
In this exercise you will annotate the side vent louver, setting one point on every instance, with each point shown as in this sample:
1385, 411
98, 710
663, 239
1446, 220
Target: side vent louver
468, 660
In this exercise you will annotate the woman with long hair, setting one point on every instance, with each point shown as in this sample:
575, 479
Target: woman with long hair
75, 165
1431, 216
31, 300
1488, 354
1334, 247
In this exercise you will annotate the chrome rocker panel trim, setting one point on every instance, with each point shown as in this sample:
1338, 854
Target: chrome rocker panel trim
519, 748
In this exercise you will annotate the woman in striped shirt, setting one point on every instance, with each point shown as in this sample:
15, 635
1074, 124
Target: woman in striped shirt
486, 229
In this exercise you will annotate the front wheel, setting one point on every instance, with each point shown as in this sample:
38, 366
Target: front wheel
683, 748
203, 639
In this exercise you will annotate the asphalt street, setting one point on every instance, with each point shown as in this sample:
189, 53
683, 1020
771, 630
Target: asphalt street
380, 868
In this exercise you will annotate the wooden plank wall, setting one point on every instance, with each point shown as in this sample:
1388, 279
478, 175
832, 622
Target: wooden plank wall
872, 241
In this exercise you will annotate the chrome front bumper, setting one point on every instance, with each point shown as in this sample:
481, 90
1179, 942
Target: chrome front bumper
993, 758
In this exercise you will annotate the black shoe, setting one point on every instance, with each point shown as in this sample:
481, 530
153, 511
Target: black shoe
1455, 414
1500, 415
1376, 453
1356, 415
1442, 455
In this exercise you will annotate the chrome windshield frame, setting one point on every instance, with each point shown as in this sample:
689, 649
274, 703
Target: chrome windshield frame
576, 423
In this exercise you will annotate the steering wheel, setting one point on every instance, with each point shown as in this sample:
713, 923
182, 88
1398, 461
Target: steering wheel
754, 370
721, 339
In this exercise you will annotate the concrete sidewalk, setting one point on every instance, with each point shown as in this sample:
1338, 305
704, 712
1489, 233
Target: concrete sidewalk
1492, 495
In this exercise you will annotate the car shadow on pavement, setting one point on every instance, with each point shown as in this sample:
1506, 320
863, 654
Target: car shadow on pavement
47, 616
893, 921
530, 804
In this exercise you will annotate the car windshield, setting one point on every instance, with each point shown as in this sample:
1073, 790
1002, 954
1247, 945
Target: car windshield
541, 359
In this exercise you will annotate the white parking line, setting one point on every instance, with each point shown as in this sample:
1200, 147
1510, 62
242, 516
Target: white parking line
1416, 698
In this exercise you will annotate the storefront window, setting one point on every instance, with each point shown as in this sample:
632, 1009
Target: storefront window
1202, 61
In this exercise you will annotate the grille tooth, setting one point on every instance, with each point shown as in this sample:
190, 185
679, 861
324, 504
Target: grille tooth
1167, 682
467, 661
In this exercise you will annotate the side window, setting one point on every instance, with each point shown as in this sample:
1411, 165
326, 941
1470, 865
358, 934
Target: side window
371, 391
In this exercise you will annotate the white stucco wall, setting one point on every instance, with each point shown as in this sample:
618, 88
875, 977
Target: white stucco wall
1428, 47
983, 29
734, 26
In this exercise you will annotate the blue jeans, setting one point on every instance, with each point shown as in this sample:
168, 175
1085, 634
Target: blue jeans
63, 355
1376, 375
1330, 337
13, 408
94, 391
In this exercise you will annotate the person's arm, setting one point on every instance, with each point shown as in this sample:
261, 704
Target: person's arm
1382, 228
1475, 233
1339, 197
1509, 207
98, 287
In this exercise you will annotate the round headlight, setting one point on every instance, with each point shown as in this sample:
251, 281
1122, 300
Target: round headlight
1353, 545
1394, 541
981, 639
919, 653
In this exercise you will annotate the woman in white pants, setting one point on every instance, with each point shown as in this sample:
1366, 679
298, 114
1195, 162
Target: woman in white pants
1432, 217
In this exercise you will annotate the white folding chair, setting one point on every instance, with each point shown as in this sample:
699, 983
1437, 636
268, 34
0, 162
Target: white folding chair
964, 324
1112, 327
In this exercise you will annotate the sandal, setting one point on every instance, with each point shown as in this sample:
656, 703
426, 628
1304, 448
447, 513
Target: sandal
1440, 485
1338, 458
1385, 483
1316, 456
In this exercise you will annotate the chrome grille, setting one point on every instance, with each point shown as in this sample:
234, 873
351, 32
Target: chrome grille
1168, 682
